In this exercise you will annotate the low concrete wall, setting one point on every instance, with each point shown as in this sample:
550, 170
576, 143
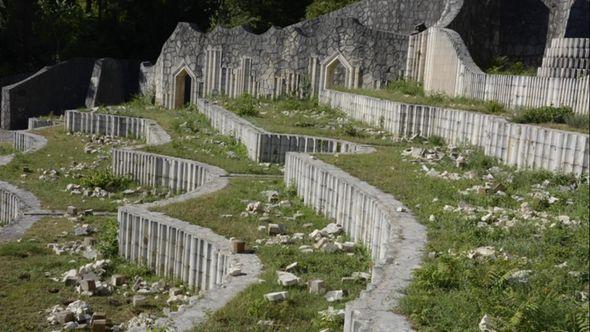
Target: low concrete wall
10, 206
171, 247
269, 147
440, 59
178, 175
115, 125
368, 216
36, 123
524, 146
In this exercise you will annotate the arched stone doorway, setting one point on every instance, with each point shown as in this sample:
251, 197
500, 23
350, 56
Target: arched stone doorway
184, 88
338, 72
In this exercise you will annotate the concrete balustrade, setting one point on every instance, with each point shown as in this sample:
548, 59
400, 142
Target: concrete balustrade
9, 206
521, 145
269, 147
16, 211
370, 217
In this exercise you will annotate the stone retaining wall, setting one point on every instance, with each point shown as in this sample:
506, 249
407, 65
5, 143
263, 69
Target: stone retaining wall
178, 175
170, 247
368, 216
440, 59
268, 147
115, 125
524, 146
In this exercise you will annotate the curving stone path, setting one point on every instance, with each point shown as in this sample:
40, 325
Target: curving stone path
19, 209
171, 247
368, 215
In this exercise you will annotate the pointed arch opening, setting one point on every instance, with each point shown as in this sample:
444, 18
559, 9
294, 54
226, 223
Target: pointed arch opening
184, 88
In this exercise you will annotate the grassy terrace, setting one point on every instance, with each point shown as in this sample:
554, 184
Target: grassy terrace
27, 288
413, 93
6, 149
193, 138
554, 297
452, 292
64, 154
221, 212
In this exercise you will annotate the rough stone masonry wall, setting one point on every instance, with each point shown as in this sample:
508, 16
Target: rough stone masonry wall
284, 61
368, 216
439, 58
521, 145
172, 248
268, 147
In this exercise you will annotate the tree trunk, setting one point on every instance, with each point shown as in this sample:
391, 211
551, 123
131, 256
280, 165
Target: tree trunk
88, 6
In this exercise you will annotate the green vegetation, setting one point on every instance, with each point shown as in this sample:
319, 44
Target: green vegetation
220, 212
193, 138
304, 117
6, 149
47, 172
322, 7
451, 291
413, 93
26, 287
503, 65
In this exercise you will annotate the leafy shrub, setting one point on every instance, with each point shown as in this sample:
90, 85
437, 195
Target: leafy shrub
350, 130
436, 140
245, 105
494, 107
105, 179
544, 115
108, 243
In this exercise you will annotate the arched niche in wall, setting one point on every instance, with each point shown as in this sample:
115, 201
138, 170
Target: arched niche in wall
185, 87
336, 71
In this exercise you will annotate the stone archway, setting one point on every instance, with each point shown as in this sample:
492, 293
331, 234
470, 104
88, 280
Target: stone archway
184, 88
338, 72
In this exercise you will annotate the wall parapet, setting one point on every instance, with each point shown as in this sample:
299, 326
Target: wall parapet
439, 58
368, 216
521, 145
269, 147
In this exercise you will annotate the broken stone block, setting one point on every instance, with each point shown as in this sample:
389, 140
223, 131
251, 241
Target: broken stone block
99, 325
88, 285
361, 276
329, 248
291, 266
63, 317
72, 211
317, 286
276, 296
333, 296
70, 278
331, 229
235, 271
275, 229
287, 279
89, 241
238, 247
139, 300
70, 326
118, 280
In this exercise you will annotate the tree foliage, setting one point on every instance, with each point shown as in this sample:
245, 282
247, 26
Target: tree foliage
35, 33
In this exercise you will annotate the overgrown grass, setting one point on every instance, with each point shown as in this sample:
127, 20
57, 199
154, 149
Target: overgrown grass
304, 117
193, 138
6, 149
221, 213
451, 292
26, 288
61, 154
558, 117
413, 93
